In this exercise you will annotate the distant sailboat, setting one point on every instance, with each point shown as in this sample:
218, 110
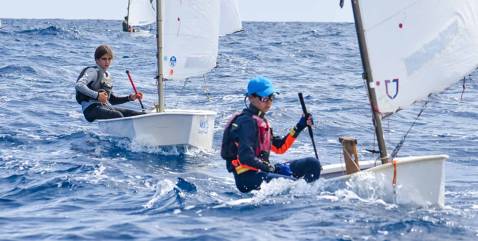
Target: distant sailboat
410, 50
140, 13
230, 18
187, 46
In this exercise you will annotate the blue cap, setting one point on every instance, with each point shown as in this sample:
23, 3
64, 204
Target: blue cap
260, 86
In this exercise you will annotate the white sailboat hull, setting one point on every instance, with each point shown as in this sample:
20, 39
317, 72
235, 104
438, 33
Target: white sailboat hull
172, 127
419, 180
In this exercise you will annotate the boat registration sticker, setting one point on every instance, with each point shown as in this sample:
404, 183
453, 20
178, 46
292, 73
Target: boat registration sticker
172, 61
203, 125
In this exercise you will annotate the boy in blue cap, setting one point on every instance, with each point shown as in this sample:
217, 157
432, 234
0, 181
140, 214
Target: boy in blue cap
248, 141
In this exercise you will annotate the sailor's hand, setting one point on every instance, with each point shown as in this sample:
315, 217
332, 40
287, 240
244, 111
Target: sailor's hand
304, 122
270, 168
102, 97
310, 120
134, 96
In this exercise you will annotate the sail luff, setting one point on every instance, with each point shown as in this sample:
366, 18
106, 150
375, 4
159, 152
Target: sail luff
159, 43
377, 118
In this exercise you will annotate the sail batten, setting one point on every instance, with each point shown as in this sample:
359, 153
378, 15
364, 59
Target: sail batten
414, 52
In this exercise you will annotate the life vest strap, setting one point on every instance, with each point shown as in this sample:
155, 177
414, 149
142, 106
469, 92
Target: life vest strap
241, 168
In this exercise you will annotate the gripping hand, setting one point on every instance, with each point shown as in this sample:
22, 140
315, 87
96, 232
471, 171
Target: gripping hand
304, 122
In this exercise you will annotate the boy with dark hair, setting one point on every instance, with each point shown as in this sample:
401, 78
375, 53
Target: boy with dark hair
94, 90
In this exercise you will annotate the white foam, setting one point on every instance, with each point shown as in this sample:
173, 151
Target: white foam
162, 188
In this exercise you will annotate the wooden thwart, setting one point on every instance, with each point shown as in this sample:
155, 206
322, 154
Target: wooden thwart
349, 147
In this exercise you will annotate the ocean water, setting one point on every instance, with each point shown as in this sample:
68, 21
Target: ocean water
61, 178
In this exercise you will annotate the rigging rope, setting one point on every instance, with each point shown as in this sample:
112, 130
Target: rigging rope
400, 144
206, 90
464, 87
394, 181
374, 144
182, 90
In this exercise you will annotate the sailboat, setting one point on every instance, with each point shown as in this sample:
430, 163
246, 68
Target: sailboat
230, 18
187, 46
409, 49
140, 13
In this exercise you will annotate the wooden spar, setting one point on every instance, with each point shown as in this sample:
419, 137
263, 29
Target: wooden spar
377, 118
349, 147
159, 42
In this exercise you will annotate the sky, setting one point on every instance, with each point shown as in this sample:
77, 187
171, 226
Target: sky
250, 10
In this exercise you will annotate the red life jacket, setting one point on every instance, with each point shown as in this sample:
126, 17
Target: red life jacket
264, 136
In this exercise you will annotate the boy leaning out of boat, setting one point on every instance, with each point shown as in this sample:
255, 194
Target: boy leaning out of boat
248, 140
94, 90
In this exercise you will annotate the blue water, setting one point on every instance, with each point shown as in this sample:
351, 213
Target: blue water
61, 178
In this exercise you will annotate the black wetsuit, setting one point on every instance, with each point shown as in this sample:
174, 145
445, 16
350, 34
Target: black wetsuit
92, 80
99, 111
125, 26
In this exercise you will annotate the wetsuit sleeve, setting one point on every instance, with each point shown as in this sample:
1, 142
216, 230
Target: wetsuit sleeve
281, 144
82, 84
246, 135
115, 100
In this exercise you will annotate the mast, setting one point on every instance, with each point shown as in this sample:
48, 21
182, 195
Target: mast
159, 55
377, 118
127, 14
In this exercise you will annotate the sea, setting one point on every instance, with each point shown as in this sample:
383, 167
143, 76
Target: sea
63, 178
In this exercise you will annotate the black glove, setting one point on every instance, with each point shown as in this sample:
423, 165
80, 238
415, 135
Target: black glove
301, 125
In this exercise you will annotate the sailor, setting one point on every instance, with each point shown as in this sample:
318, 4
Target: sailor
94, 90
248, 140
126, 26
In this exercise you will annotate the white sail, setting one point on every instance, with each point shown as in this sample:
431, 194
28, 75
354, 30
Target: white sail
230, 20
190, 37
141, 12
418, 47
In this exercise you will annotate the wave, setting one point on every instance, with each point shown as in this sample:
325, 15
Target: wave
169, 196
45, 190
52, 30
16, 69
11, 140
